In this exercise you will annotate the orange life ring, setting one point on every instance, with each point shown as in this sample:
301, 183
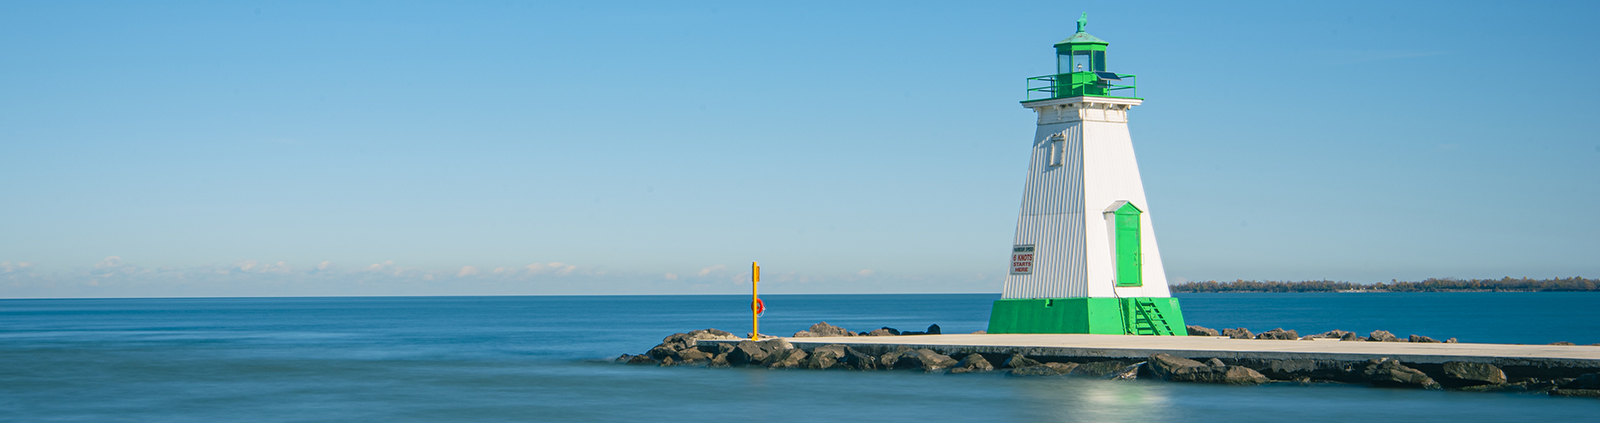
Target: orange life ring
758, 306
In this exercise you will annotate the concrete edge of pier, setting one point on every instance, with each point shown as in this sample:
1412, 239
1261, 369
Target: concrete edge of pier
1074, 347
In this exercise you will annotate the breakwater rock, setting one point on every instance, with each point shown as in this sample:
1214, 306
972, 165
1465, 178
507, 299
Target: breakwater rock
719, 349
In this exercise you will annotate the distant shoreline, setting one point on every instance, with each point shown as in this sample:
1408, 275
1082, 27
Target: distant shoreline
1574, 284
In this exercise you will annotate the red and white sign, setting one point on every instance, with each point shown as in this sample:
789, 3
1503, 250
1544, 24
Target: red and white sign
1022, 259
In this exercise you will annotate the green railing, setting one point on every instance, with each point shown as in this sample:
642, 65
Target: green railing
1079, 84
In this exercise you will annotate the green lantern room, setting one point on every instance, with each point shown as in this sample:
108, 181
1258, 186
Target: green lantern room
1081, 71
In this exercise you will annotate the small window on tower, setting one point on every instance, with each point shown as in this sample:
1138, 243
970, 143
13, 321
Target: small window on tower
1057, 153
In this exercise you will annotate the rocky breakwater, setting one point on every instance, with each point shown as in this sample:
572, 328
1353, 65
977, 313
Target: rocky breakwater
685, 349
1387, 372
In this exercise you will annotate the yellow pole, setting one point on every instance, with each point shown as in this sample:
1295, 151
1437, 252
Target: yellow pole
755, 318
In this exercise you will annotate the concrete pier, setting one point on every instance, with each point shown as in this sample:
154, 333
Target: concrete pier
1541, 359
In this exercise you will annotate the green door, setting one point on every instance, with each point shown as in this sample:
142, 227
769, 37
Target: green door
1130, 262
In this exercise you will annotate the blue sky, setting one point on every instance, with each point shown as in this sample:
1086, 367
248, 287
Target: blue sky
412, 148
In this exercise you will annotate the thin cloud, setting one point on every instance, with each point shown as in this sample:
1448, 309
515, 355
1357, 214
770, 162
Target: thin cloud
115, 277
8, 267
709, 270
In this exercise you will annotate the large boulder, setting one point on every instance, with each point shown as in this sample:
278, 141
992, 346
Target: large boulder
859, 360
720, 360
1460, 373
1238, 333
1018, 361
925, 359
786, 359
889, 360
661, 351
1179, 369
1390, 373
756, 352
972, 363
1420, 338
692, 356
1382, 336
885, 331
1202, 331
676, 341
826, 357
1279, 334
1166, 365
1099, 369
1238, 375
823, 329
1064, 368
747, 352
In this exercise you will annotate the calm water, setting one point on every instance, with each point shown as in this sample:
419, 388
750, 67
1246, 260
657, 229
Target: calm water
543, 359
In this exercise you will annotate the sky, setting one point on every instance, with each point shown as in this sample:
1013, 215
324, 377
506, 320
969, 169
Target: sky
158, 149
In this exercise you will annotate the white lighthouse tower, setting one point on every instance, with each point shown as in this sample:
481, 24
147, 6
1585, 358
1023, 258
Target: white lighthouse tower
1084, 258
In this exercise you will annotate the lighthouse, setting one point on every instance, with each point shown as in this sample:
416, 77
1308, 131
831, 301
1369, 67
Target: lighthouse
1084, 259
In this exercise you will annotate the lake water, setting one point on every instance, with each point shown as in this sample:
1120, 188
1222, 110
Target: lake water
400, 359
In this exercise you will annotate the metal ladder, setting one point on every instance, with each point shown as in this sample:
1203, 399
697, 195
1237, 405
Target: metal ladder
1147, 319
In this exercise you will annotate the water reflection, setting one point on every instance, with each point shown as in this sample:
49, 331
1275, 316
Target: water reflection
1092, 400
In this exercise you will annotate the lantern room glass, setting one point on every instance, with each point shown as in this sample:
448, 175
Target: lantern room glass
1081, 61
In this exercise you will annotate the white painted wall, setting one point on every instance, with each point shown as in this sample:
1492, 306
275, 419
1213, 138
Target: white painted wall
1063, 205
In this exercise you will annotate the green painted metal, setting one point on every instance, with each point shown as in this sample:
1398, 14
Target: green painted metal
1078, 58
1082, 37
1130, 255
1081, 84
1153, 316
1057, 315
1104, 316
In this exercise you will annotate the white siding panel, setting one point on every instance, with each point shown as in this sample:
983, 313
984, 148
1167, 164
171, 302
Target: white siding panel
1051, 218
1061, 213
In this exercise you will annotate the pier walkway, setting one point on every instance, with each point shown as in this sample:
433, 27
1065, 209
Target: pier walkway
1102, 347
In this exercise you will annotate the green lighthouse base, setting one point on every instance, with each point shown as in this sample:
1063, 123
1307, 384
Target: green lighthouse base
1105, 316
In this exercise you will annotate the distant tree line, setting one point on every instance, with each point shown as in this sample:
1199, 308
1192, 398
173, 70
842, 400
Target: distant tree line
1427, 285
